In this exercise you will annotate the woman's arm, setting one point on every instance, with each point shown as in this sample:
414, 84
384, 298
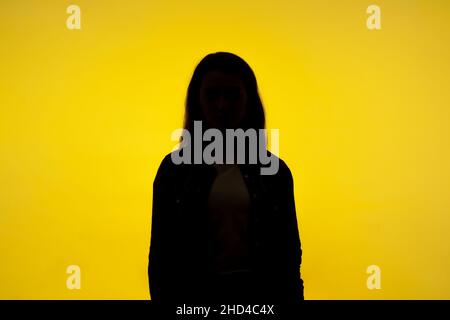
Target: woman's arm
161, 271
293, 283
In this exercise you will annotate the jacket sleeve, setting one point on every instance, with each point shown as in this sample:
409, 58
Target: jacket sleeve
160, 266
293, 283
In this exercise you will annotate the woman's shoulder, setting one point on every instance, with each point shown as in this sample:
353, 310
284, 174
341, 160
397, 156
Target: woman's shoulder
167, 160
167, 168
283, 168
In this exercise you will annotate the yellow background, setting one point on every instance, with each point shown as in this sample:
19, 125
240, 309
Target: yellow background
86, 117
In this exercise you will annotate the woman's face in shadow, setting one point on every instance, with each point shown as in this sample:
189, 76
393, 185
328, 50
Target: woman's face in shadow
223, 100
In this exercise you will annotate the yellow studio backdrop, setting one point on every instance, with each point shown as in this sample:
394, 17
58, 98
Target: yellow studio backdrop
86, 117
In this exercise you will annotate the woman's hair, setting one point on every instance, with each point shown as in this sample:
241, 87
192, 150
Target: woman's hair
231, 64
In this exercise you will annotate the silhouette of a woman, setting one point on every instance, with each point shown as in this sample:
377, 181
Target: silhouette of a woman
224, 232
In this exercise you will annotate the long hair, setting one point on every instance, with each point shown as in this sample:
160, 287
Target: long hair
232, 64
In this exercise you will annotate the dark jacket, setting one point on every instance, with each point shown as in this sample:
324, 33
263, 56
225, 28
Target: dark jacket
179, 259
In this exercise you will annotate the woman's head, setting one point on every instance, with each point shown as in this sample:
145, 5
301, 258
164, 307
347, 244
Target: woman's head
223, 93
